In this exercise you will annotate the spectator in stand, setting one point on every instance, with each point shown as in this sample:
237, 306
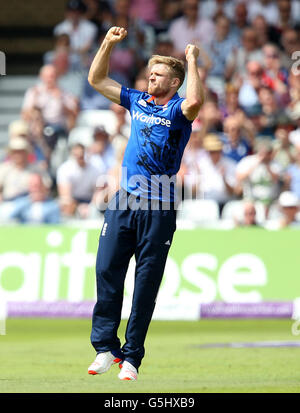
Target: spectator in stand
220, 48
76, 183
289, 15
230, 105
248, 218
262, 29
33, 132
288, 204
210, 9
275, 75
62, 57
101, 153
82, 32
59, 109
236, 66
169, 11
294, 135
15, 171
189, 172
38, 207
258, 176
249, 91
122, 119
293, 108
217, 172
99, 12
292, 176
239, 20
145, 10
235, 145
164, 45
131, 55
113, 177
190, 28
290, 42
284, 151
209, 119
266, 8
271, 114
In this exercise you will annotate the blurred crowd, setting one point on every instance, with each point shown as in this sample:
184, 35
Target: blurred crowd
65, 151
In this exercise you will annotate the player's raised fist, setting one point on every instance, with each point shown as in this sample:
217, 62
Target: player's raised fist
116, 34
191, 51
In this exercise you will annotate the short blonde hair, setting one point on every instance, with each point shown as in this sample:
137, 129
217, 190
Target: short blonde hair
175, 65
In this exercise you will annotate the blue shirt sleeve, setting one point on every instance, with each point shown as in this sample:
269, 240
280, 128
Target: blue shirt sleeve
128, 96
177, 115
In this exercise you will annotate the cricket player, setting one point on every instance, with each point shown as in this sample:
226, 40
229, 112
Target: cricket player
141, 219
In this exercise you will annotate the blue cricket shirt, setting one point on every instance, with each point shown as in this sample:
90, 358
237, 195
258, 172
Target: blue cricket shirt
159, 134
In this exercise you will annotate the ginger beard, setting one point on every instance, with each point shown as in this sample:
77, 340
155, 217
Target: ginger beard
160, 80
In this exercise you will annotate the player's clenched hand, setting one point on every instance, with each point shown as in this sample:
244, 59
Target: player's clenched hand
116, 34
191, 51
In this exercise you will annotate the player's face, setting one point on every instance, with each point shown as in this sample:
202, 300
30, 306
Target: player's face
160, 80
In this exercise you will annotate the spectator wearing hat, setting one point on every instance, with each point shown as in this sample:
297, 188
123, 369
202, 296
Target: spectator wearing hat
33, 132
15, 172
289, 204
288, 209
217, 172
259, 176
82, 33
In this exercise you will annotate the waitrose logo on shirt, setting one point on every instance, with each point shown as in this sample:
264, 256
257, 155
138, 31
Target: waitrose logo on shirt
152, 120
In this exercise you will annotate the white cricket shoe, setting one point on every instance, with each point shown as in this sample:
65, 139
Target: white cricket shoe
128, 372
103, 363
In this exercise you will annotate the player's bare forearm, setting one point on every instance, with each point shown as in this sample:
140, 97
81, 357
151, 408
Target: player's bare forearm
98, 74
100, 66
194, 91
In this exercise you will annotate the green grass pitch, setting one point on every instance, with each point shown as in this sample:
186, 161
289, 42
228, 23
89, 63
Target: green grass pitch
52, 355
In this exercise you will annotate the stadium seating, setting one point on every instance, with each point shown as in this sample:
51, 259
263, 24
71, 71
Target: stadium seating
81, 134
201, 212
95, 118
12, 90
234, 210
